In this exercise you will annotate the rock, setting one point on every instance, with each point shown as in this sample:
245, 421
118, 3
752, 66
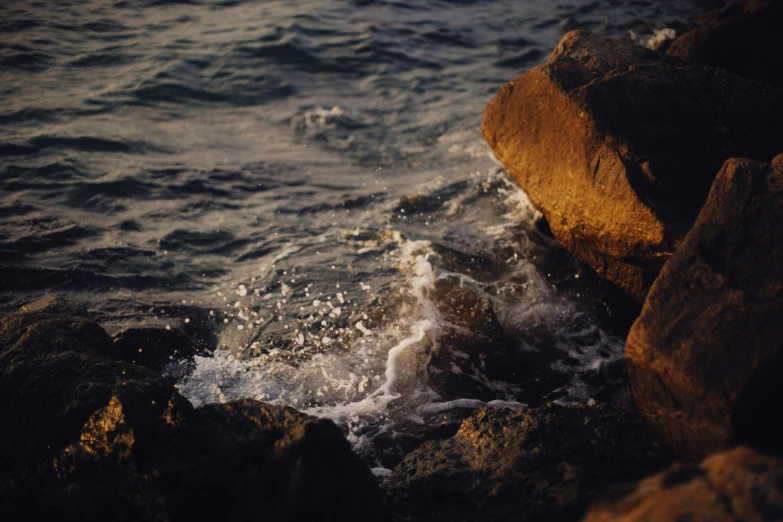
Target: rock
86, 435
524, 465
618, 145
740, 484
472, 350
301, 468
706, 355
259, 459
57, 367
743, 38
156, 348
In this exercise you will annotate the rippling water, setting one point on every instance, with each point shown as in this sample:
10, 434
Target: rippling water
304, 186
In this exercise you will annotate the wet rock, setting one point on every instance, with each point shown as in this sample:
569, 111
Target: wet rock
737, 485
156, 348
706, 355
743, 38
618, 145
538, 464
473, 353
418, 204
98, 437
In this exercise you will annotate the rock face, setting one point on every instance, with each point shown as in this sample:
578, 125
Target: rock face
618, 146
737, 485
85, 435
706, 355
743, 38
524, 465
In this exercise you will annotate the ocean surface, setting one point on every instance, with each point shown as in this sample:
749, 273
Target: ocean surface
303, 186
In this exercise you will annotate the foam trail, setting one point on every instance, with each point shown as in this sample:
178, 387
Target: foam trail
379, 400
392, 362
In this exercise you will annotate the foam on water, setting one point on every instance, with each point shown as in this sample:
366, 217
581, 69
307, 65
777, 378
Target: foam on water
372, 380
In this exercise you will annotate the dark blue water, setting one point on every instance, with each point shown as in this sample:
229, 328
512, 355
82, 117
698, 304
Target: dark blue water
288, 181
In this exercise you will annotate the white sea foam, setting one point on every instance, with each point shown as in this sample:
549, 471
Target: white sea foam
654, 40
371, 376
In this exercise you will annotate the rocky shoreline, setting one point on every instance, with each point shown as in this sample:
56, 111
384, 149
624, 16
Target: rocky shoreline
663, 172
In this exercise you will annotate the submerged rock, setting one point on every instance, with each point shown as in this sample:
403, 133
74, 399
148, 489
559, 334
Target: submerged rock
88, 435
538, 464
618, 146
706, 355
743, 38
737, 485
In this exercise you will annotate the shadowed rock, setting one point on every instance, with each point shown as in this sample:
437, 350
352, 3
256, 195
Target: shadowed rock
743, 38
737, 485
706, 355
618, 145
86, 435
57, 367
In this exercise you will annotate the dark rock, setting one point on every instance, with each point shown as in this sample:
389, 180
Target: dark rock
524, 465
743, 38
57, 367
472, 350
271, 460
542, 226
706, 355
618, 146
156, 348
86, 435
737, 485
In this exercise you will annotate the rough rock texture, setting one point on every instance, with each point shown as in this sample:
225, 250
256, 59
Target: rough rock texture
157, 347
744, 38
618, 145
706, 355
739, 485
522, 465
85, 435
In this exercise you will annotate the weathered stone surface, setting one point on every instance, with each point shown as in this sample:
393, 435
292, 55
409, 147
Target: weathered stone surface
618, 146
156, 348
743, 38
85, 435
524, 465
706, 355
727, 487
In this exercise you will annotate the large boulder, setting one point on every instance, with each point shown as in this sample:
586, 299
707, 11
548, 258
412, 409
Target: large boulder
618, 146
744, 38
524, 465
706, 355
737, 485
86, 435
